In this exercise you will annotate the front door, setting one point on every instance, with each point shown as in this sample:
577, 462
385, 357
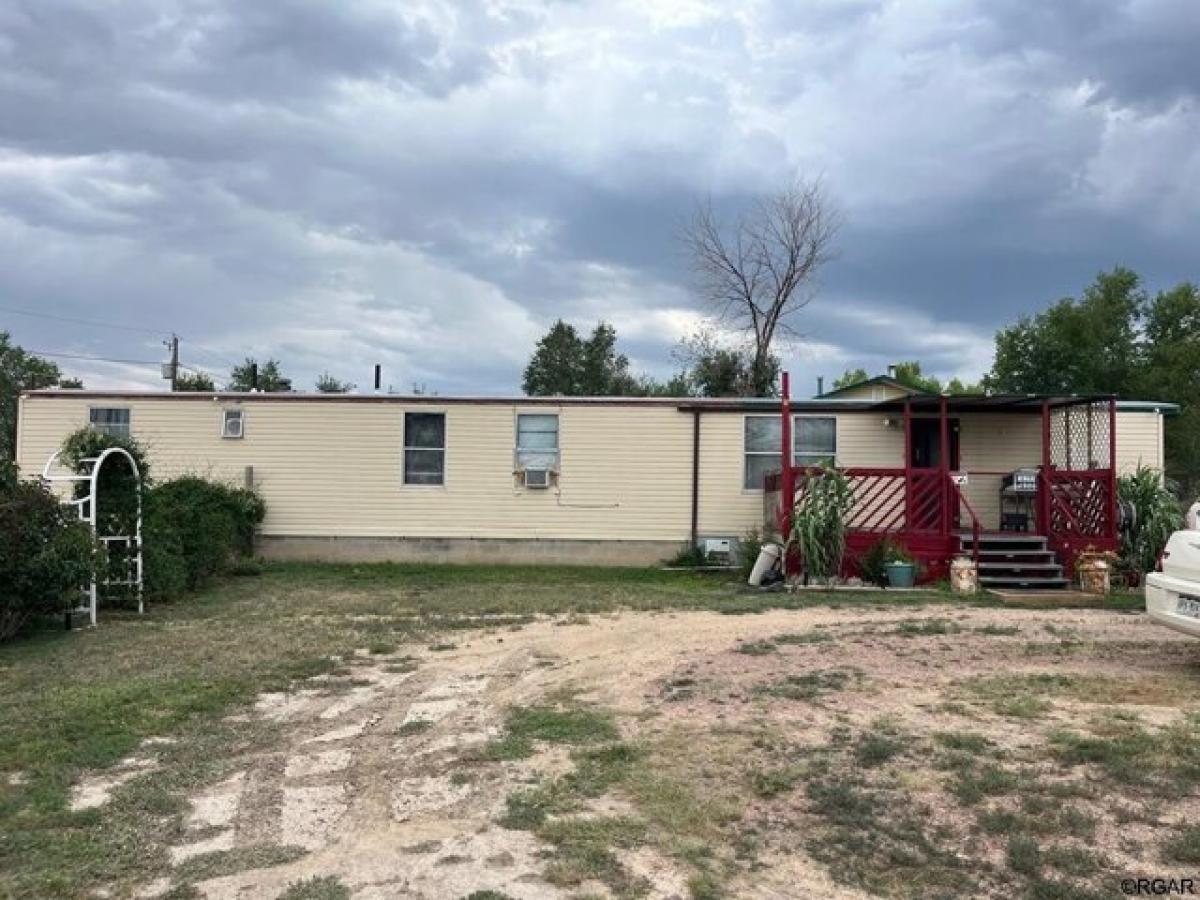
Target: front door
928, 492
927, 444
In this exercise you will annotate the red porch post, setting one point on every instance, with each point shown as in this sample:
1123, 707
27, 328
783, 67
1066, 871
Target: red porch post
1112, 467
1044, 486
908, 501
944, 426
787, 487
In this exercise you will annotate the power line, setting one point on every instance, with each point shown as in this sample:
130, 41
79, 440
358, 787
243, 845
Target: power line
131, 362
88, 322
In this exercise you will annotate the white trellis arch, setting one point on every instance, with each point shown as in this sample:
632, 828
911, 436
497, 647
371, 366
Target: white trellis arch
86, 507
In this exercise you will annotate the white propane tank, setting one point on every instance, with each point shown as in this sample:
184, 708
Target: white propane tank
1193, 517
768, 558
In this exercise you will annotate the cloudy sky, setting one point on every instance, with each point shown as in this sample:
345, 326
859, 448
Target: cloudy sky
430, 184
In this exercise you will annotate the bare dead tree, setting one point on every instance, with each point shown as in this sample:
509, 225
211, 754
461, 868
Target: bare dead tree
758, 271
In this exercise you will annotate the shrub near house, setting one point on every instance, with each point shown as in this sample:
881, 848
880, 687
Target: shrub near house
46, 553
192, 528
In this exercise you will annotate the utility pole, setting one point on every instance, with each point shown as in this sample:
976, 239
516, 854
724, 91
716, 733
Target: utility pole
173, 366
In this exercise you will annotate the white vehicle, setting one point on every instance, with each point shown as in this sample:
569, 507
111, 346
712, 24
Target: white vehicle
1173, 595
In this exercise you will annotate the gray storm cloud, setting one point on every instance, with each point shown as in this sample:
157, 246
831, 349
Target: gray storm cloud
429, 184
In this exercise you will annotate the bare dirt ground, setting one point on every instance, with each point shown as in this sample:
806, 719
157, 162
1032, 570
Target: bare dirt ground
383, 785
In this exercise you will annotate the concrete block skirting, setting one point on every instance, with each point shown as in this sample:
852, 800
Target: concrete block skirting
510, 551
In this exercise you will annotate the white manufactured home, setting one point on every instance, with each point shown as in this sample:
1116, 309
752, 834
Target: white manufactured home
588, 480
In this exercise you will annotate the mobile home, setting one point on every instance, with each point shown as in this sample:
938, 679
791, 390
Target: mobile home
607, 480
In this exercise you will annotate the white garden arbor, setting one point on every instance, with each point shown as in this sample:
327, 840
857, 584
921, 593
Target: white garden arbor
86, 506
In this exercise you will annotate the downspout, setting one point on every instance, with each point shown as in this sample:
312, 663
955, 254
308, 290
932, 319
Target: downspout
695, 476
787, 484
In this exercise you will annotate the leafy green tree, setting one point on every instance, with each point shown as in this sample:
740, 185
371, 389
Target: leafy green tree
327, 384
1115, 339
714, 370
850, 378
194, 382
603, 371
564, 364
270, 378
553, 369
22, 371
1076, 346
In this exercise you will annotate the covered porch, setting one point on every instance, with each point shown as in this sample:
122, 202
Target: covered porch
980, 474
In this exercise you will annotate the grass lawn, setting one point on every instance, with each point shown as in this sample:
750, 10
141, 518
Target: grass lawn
83, 700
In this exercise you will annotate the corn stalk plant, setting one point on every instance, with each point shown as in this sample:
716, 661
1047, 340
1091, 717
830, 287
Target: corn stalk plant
819, 522
1158, 514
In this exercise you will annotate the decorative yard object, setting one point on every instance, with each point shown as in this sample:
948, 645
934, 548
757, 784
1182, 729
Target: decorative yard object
127, 547
1093, 569
964, 575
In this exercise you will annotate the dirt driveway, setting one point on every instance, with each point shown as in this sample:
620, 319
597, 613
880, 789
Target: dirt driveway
815, 753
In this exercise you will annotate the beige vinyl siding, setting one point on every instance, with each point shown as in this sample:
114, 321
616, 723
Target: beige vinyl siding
1139, 440
328, 468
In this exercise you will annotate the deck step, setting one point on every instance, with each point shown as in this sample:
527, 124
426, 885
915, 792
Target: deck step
1023, 583
987, 565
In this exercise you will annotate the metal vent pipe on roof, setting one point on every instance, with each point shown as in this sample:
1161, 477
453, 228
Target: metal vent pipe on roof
378, 376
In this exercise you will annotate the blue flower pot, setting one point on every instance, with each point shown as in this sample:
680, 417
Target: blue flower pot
901, 574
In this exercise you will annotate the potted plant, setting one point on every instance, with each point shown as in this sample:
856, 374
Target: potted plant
901, 569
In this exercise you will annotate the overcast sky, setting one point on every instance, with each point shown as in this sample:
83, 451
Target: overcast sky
430, 184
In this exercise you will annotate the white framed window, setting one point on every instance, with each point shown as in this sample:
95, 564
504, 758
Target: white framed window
762, 436
425, 448
814, 440
537, 441
233, 424
814, 443
110, 419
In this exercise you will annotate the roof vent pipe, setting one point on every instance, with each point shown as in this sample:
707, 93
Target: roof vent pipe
253, 377
892, 371
378, 376
820, 385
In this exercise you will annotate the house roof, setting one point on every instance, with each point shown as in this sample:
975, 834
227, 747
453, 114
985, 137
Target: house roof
880, 380
920, 401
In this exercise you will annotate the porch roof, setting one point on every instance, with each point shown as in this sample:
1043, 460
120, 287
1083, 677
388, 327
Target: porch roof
1030, 403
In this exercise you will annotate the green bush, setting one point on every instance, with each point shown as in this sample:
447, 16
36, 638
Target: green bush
192, 528
1158, 515
873, 564
46, 554
200, 528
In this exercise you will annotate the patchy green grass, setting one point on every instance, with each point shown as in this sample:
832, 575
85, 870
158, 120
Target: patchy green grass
1165, 761
327, 887
1184, 847
757, 648
815, 636
925, 628
810, 685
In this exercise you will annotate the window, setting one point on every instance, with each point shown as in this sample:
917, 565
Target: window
762, 440
814, 440
233, 423
814, 443
110, 419
537, 441
425, 448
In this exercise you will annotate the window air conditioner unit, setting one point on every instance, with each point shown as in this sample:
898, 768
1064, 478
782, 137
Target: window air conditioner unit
231, 426
537, 478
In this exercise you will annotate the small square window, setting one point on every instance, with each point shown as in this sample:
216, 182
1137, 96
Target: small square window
424, 448
110, 419
233, 423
